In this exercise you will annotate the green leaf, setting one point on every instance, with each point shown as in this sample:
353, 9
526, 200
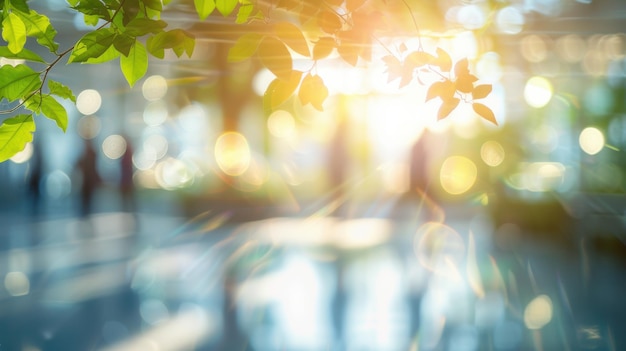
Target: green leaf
245, 46
93, 8
274, 56
25, 54
204, 8
14, 32
53, 110
484, 112
226, 7
92, 45
39, 26
153, 4
61, 90
91, 20
177, 39
244, 13
15, 133
110, 54
17, 82
123, 43
135, 65
293, 37
142, 26
20, 5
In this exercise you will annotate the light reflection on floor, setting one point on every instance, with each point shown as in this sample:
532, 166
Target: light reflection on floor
300, 284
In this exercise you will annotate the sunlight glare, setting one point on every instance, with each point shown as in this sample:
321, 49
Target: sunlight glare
458, 174
510, 20
114, 146
23, 155
281, 124
591, 140
538, 92
232, 153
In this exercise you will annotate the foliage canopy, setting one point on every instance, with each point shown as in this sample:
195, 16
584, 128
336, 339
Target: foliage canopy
132, 30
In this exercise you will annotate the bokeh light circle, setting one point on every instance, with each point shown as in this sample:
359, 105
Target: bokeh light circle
114, 146
439, 248
591, 140
538, 312
458, 174
281, 124
88, 101
232, 153
492, 153
538, 92
154, 88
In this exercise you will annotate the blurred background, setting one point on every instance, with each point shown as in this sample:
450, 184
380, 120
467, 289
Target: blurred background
176, 215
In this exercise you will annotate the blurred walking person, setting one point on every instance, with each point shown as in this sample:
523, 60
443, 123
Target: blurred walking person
90, 179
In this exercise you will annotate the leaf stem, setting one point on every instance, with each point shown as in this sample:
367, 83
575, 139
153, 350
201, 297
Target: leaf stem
417, 29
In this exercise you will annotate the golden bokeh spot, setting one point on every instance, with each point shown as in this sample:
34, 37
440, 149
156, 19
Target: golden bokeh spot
281, 124
457, 175
538, 312
232, 153
538, 92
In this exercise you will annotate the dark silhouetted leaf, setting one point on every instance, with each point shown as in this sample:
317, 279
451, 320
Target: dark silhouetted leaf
443, 89
244, 47
443, 60
447, 107
417, 59
283, 89
323, 47
481, 91
394, 68
15, 133
329, 22
484, 112
274, 56
293, 37
313, 91
461, 68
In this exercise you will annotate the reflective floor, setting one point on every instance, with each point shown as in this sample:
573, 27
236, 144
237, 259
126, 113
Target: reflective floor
385, 277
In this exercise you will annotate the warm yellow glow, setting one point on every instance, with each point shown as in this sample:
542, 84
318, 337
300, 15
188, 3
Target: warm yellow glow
538, 92
395, 177
114, 146
591, 140
571, 48
154, 88
534, 48
17, 283
489, 68
88, 101
23, 155
492, 153
538, 313
232, 153
458, 174
281, 124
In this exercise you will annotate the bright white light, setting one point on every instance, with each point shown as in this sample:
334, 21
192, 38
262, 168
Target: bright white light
281, 124
155, 113
471, 17
591, 140
17, 283
232, 153
510, 20
538, 313
23, 155
156, 145
114, 146
154, 88
538, 92
88, 101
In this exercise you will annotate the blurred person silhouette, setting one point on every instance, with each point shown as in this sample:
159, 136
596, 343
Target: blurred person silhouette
420, 164
90, 178
338, 164
127, 188
34, 180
